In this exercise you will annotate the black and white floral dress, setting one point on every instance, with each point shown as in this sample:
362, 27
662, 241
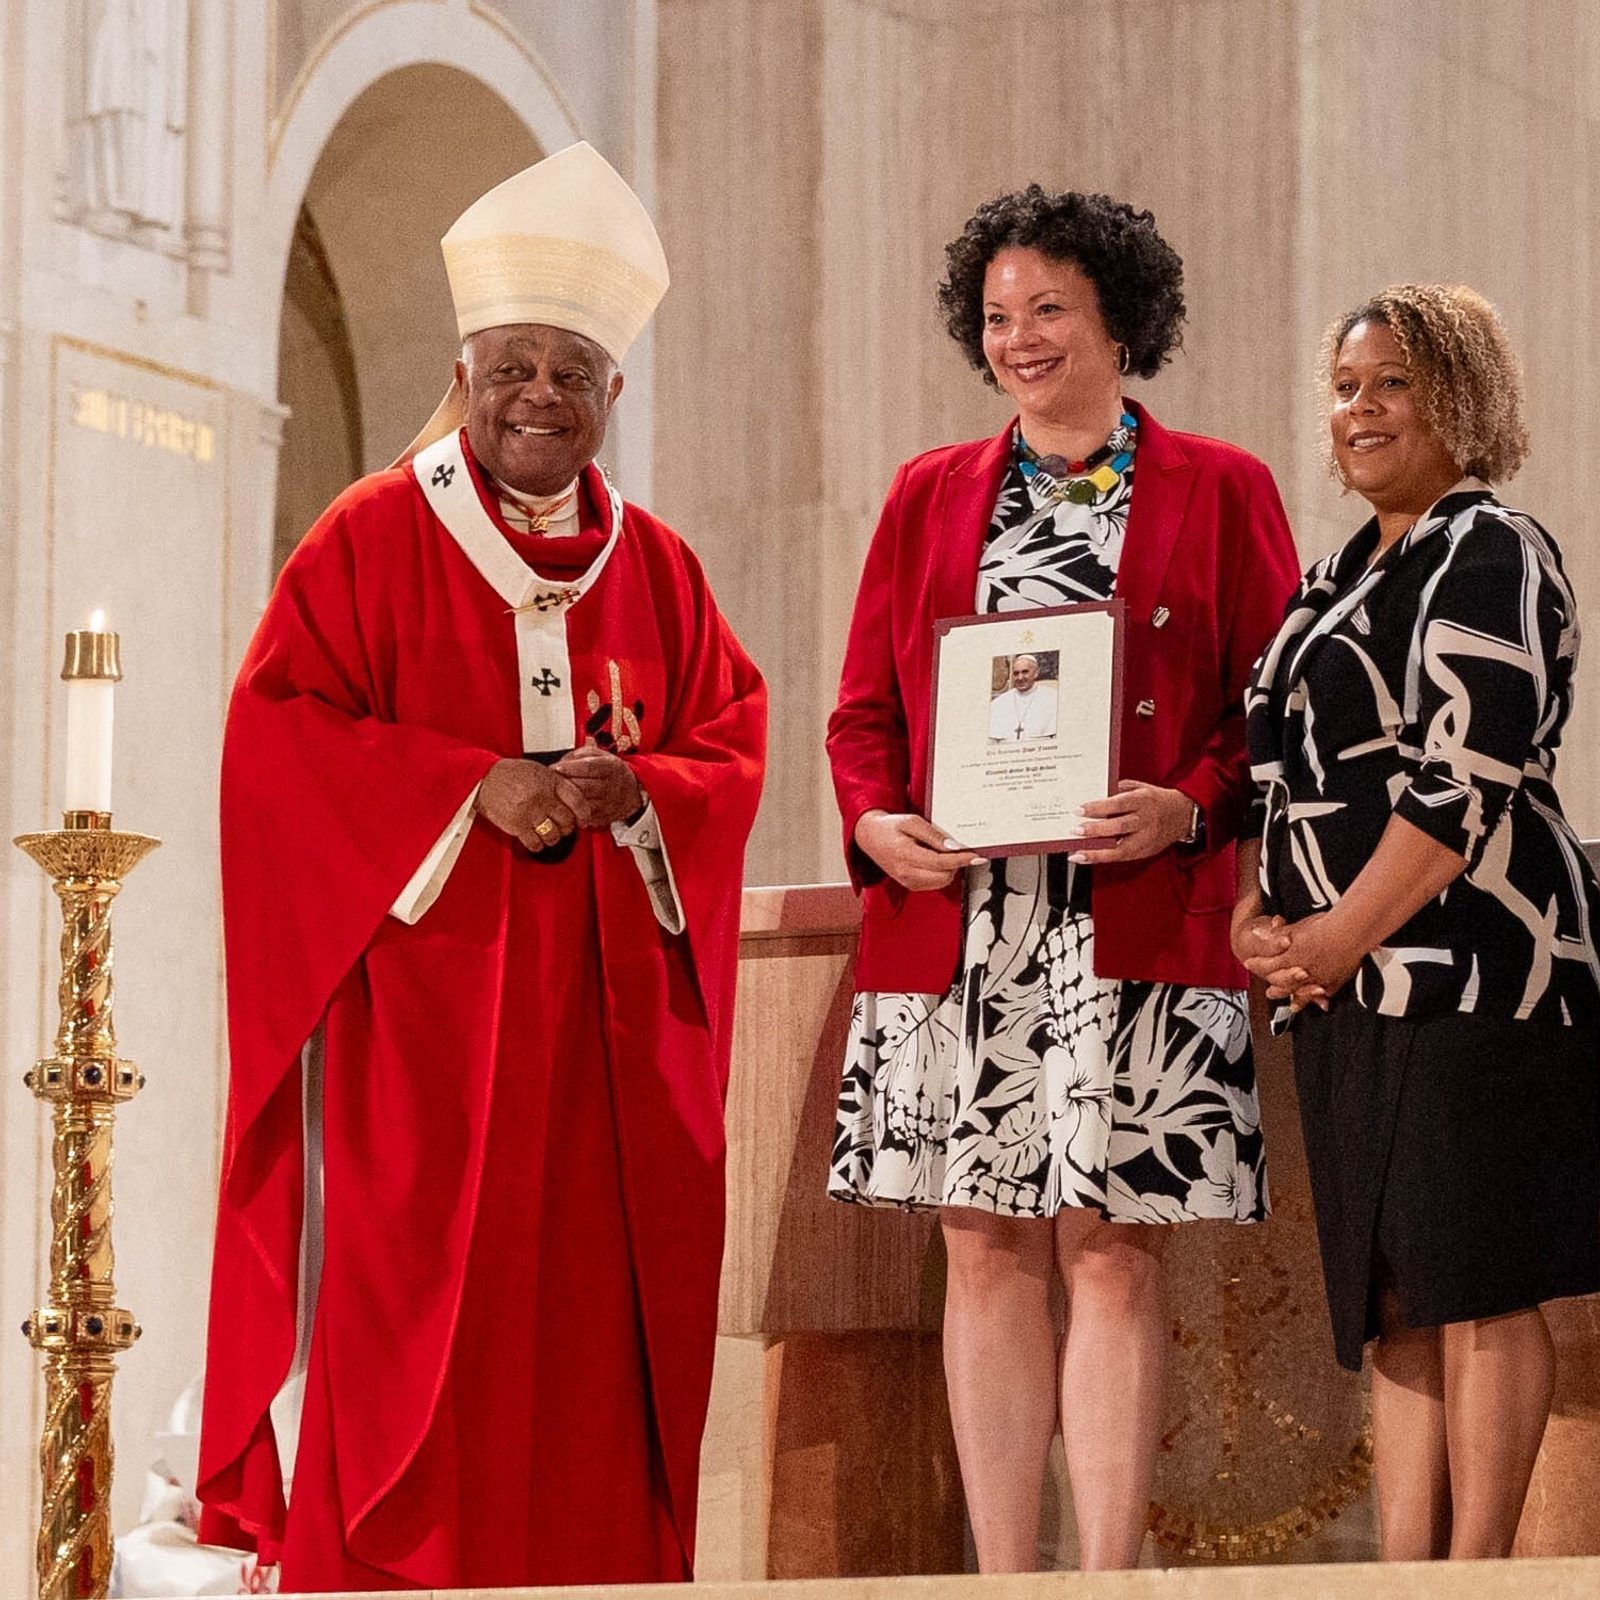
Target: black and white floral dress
1032, 1084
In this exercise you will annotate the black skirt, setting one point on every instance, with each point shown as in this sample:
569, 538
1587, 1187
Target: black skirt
1455, 1159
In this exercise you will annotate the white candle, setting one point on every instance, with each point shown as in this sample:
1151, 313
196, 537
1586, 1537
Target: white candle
91, 672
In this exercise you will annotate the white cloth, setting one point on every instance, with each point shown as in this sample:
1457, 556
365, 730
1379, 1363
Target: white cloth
162, 1553
426, 882
537, 606
642, 837
565, 243
1015, 714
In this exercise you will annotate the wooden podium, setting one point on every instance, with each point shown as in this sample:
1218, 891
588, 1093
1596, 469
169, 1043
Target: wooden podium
828, 1451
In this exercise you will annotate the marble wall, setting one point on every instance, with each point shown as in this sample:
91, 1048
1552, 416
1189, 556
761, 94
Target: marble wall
1297, 153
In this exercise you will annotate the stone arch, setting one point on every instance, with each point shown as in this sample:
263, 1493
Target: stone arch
416, 33
401, 125
413, 150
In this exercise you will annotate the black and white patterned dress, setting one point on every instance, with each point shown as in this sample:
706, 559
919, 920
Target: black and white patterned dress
1032, 1084
1450, 1094
1433, 683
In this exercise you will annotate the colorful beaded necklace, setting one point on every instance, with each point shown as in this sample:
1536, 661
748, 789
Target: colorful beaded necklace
1080, 483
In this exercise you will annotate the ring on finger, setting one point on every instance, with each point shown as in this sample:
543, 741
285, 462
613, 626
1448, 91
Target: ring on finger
546, 829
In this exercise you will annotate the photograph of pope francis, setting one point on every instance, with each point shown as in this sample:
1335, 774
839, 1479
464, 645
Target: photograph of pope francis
489, 769
1026, 707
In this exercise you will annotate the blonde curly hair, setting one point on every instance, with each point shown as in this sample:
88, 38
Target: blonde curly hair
1469, 387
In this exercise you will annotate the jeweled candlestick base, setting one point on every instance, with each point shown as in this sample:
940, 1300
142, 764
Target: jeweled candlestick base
81, 1328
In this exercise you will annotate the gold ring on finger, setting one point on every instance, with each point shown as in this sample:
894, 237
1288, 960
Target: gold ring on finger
545, 829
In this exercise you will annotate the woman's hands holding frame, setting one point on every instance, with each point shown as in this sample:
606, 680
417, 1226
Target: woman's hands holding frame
910, 849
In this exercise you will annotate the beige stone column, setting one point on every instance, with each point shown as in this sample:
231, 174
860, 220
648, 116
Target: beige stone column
259, 443
210, 143
738, 455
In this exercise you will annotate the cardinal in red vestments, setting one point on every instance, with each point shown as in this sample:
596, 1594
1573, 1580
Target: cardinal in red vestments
489, 769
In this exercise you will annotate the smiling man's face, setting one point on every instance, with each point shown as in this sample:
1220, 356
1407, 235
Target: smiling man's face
537, 402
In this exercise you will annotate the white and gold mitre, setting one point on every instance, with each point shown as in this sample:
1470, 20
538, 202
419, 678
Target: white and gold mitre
565, 243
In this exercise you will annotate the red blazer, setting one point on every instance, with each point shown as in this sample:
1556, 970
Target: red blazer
1207, 541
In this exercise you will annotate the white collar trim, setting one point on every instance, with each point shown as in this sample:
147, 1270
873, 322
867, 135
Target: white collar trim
446, 482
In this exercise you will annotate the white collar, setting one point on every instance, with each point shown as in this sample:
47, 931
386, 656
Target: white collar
537, 505
1466, 484
442, 474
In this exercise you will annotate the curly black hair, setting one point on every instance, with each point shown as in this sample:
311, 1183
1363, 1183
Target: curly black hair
1137, 275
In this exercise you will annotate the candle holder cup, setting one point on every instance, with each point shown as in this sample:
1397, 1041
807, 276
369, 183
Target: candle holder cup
81, 1328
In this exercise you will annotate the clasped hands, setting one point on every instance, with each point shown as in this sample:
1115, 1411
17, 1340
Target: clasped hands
1139, 820
1304, 962
539, 805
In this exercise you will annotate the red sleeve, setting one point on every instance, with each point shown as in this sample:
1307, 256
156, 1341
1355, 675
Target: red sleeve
327, 808
704, 780
868, 744
1259, 573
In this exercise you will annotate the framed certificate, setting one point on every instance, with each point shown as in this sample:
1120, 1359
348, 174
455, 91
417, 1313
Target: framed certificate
1026, 716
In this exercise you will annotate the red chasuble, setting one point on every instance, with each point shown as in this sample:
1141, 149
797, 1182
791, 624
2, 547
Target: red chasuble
523, 1142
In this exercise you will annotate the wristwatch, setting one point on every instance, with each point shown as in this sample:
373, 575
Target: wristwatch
1195, 838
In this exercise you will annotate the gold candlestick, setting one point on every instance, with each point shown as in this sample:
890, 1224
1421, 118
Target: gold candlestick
81, 1328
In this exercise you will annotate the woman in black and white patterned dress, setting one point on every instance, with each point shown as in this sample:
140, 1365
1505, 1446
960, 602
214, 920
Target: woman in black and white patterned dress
1056, 1055
1439, 959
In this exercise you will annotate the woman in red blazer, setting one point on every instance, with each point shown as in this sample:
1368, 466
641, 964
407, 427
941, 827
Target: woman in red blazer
1057, 1055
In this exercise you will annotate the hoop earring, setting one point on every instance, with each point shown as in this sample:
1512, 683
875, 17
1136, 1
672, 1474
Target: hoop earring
1123, 360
